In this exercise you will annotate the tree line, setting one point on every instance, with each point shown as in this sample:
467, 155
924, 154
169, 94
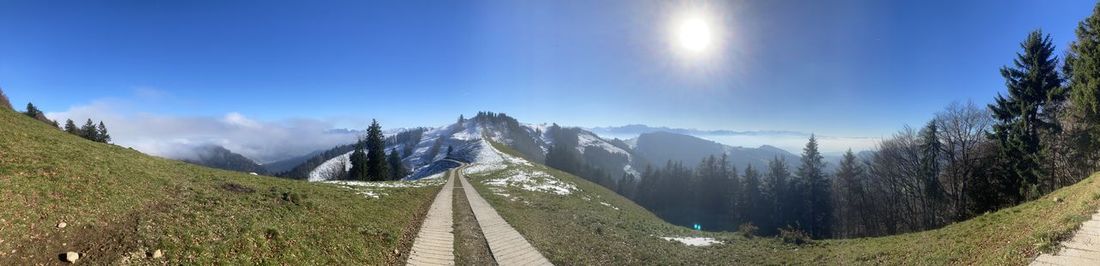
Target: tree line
89, 130
369, 161
1041, 134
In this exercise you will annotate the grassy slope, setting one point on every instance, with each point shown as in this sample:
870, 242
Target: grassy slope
573, 231
118, 202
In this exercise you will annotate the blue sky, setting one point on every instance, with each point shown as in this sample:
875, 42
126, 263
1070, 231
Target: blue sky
844, 68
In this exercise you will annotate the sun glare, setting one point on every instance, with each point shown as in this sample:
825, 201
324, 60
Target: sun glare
694, 35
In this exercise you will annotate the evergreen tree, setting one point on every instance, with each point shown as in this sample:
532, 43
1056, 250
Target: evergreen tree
397, 169
358, 160
626, 186
101, 133
930, 168
777, 193
32, 111
1082, 70
817, 215
850, 195
563, 158
460, 125
1034, 89
755, 209
449, 150
88, 131
70, 127
376, 153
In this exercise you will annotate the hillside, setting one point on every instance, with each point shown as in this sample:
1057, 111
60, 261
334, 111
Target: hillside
118, 204
215, 156
575, 222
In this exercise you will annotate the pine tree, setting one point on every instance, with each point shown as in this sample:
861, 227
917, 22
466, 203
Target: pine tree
1082, 70
1034, 89
626, 186
930, 166
358, 160
818, 212
376, 153
777, 192
397, 169
71, 127
88, 131
449, 150
101, 133
850, 195
32, 111
754, 204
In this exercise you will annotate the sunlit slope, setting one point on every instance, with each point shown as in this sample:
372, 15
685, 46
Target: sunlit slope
118, 204
584, 227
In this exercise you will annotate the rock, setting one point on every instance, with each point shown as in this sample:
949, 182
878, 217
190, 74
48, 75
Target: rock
71, 257
158, 254
396, 252
1057, 199
62, 225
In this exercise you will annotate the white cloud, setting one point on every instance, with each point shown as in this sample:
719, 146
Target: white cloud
177, 136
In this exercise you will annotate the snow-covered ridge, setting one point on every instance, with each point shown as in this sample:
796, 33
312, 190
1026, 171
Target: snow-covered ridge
585, 139
469, 142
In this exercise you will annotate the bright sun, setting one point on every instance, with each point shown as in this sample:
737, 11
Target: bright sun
694, 34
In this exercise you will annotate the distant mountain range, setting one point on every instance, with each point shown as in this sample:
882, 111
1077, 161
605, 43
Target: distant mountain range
421, 147
660, 147
637, 129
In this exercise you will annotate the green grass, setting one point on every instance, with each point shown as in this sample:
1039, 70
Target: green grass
119, 203
573, 231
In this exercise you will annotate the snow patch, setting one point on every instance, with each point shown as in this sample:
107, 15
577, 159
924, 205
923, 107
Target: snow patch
694, 241
488, 159
533, 181
377, 189
609, 205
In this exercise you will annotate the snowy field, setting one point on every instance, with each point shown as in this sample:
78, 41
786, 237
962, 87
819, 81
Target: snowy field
378, 189
533, 181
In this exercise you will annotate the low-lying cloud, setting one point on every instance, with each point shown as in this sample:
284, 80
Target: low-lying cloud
177, 137
791, 141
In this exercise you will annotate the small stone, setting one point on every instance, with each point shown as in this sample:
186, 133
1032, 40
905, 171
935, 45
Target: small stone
396, 252
1057, 199
62, 225
71, 256
158, 254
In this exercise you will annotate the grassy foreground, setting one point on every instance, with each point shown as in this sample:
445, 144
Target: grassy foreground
119, 205
579, 229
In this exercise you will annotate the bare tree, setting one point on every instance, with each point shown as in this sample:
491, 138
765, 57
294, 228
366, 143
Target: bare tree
964, 127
